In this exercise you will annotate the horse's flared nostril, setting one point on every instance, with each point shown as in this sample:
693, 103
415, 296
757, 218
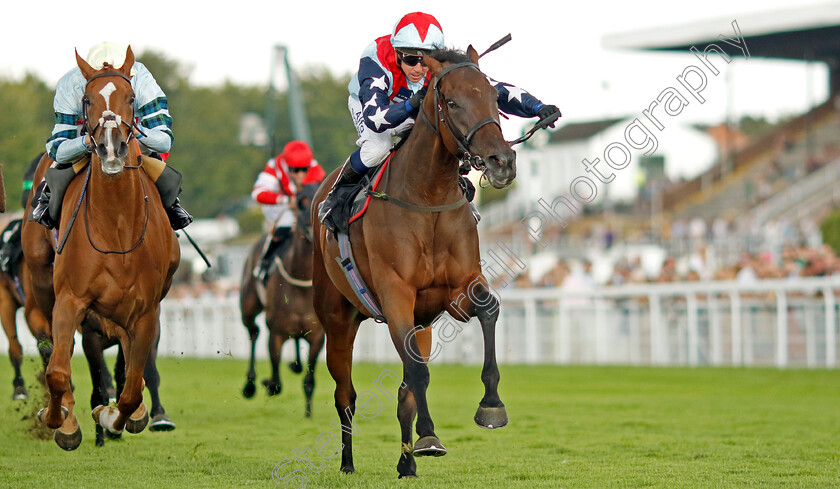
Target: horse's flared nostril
123, 151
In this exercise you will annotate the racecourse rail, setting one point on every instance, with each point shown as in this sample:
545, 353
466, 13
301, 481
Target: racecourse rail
663, 324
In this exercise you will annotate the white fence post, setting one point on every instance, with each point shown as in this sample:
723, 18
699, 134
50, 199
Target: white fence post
830, 325
781, 329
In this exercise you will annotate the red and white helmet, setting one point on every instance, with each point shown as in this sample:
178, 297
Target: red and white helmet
297, 154
417, 31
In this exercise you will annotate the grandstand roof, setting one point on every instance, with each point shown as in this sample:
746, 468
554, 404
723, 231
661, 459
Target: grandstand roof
580, 130
808, 33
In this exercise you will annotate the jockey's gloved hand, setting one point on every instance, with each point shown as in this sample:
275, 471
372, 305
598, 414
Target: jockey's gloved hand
417, 98
547, 111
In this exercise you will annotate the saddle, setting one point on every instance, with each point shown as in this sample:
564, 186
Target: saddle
10, 248
354, 199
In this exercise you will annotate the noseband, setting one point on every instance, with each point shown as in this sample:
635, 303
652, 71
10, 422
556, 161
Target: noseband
465, 156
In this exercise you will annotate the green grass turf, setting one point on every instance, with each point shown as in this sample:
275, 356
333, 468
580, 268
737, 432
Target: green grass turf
575, 427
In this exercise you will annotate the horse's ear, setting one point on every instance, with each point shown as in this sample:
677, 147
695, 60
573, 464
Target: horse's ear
87, 70
125, 69
473, 54
434, 65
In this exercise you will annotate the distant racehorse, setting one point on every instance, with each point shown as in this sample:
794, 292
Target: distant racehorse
116, 261
287, 300
417, 251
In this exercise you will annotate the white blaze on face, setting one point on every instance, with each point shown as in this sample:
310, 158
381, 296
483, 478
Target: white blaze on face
110, 164
106, 92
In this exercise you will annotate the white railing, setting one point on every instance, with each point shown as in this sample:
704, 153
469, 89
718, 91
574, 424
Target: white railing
708, 323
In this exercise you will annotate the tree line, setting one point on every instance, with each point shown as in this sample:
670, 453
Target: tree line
218, 169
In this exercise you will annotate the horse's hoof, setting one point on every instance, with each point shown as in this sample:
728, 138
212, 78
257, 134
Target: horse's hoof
161, 422
105, 416
68, 441
137, 422
491, 417
429, 446
249, 390
272, 388
347, 469
296, 367
20, 393
113, 436
407, 476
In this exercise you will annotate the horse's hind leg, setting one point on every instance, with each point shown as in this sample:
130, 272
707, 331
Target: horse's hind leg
491, 411
315, 346
8, 309
341, 322
59, 414
93, 348
160, 421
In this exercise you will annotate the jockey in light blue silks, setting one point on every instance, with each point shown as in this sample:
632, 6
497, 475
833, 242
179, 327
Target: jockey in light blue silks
70, 149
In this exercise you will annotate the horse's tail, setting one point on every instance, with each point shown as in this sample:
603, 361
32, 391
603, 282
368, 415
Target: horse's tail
296, 366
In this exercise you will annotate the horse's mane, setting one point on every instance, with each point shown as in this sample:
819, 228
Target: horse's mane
450, 56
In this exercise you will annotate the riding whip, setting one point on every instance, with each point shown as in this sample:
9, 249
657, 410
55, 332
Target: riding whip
195, 245
496, 45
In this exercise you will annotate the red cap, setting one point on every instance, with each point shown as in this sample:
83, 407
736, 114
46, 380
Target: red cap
297, 154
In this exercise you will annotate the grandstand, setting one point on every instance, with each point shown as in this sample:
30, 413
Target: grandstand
768, 178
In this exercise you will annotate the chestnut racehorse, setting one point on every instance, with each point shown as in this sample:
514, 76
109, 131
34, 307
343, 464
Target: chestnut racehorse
420, 256
288, 304
116, 260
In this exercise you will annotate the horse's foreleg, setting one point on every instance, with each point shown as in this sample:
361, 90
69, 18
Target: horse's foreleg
68, 315
250, 387
491, 411
407, 411
274, 385
399, 309
315, 346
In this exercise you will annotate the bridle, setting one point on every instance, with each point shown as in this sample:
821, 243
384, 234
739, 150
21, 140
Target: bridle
86, 129
465, 156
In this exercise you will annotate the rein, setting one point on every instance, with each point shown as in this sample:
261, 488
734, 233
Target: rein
145, 219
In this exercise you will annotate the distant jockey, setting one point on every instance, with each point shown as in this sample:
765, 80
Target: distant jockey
276, 186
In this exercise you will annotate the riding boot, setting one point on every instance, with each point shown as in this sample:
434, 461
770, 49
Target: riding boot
279, 238
351, 173
41, 207
179, 218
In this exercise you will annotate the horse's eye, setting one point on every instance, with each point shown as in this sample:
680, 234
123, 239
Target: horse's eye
451, 104
131, 100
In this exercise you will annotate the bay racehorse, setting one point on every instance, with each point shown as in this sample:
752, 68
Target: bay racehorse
115, 264
417, 259
12, 295
287, 300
